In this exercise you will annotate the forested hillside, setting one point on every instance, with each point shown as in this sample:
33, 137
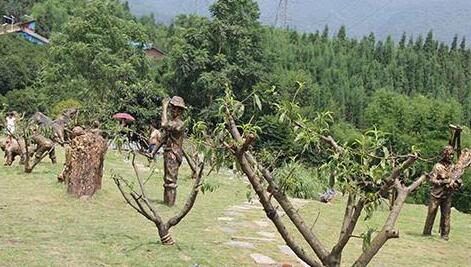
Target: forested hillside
411, 89
382, 17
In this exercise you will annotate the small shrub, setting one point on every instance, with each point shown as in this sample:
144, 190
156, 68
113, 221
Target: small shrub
300, 181
64, 104
462, 198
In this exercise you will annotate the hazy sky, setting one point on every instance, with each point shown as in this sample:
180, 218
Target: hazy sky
383, 17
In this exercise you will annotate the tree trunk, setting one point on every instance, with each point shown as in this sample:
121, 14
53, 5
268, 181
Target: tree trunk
164, 234
83, 169
333, 260
386, 233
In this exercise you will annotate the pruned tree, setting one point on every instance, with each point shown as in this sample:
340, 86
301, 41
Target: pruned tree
139, 201
362, 171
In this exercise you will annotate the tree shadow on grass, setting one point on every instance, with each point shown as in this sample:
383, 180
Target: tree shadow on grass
142, 245
157, 201
152, 245
418, 234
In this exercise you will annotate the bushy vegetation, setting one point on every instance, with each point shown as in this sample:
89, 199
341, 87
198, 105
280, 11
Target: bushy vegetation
297, 180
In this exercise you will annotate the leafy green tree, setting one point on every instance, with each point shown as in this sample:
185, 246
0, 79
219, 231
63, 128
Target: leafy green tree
454, 43
98, 59
208, 55
26, 101
20, 63
51, 15
17, 8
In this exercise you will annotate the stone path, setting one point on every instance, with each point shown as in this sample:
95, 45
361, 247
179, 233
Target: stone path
248, 229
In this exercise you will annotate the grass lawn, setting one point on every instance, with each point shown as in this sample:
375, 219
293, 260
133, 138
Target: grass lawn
40, 225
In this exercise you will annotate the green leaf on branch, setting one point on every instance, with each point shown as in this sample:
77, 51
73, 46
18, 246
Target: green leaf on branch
257, 101
209, 187
366, 236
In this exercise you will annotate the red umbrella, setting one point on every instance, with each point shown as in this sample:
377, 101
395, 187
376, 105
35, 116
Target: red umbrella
123, 116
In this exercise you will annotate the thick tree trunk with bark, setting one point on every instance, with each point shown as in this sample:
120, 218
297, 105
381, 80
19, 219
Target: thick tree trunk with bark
83, 169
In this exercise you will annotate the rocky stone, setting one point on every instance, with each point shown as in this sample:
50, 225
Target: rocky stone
262, 259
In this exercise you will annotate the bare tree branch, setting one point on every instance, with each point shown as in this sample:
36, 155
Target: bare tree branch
396, 172
141, 185
191, 162
326, 139
350, 226
386, 233
246, 162
416, 183
128, 200
141, 201
248, 141
293, 214
191, 198
271, 212
330, 141
144, 212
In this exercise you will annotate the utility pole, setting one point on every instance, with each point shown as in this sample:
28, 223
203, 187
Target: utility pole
281, 18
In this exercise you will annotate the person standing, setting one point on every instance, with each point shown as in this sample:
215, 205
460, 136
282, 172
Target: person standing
155, 140
441, 194
173, 145
10, 123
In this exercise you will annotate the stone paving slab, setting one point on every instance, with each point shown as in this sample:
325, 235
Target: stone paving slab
225, 219
230, 213
262, 223
227, 230
267, 234
262, 259
243, 224
236, 218
244, 207
253, 238
288, 251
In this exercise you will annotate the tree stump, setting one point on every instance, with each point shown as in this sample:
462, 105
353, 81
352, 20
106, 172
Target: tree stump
83, 169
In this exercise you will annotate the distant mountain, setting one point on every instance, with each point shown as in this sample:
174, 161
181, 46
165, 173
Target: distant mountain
383, 17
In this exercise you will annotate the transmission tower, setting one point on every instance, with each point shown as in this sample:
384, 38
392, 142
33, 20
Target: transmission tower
281, 18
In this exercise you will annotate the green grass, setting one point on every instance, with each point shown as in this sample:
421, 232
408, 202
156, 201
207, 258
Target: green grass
40, 225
